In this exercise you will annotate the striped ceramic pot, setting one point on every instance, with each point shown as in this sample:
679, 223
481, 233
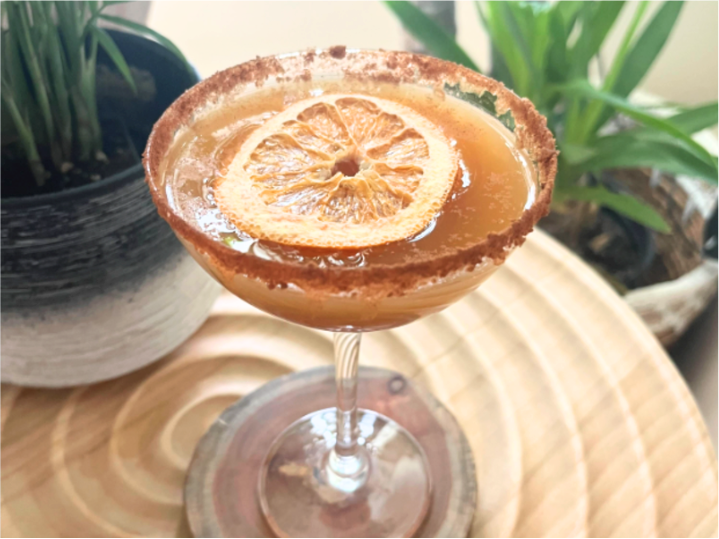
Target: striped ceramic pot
94, 282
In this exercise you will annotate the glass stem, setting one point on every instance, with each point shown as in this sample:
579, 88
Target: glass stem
347, 463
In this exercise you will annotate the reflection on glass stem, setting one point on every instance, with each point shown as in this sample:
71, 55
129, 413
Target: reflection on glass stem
347, 463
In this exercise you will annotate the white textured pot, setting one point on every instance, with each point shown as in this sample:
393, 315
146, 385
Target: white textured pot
94, 285
94, 282
110, 334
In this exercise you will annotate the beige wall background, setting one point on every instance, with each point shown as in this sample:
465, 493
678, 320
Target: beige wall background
216, 35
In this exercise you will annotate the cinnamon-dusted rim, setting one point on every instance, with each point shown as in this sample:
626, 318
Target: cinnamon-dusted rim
530, 131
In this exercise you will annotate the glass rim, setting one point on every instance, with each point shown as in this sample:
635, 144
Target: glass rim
519, 115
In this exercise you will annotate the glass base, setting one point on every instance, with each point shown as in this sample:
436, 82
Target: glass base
221, 492
308, 491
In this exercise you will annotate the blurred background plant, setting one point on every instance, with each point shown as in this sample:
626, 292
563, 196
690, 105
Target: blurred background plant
635, 193
49, 66
546, 52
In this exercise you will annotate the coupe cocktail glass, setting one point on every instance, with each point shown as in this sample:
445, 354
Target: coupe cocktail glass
350, 471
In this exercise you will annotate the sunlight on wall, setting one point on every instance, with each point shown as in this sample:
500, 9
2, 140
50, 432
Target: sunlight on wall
216, 35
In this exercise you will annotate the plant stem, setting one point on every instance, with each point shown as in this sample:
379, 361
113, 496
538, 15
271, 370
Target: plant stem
347, 465
58, 80
89, 134
26, 138
91, 97
39, 83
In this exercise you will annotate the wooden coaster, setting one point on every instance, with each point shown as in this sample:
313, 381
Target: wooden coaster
221, 488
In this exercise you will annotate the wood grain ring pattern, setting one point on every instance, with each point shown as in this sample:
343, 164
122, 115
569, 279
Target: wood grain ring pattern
578, 421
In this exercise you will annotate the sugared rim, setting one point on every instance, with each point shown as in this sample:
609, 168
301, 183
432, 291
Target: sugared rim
530, 131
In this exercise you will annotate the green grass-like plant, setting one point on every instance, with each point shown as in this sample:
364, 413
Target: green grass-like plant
49, 58
544, 51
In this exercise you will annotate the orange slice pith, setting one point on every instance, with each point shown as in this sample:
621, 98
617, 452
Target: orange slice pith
339, 171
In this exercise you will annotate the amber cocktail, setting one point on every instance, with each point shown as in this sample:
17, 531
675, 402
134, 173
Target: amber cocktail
349, 191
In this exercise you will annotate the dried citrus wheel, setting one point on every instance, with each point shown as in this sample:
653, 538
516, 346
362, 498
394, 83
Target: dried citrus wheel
339, 171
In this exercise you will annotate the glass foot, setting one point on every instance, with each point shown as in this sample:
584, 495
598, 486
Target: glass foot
221, 493
306, 490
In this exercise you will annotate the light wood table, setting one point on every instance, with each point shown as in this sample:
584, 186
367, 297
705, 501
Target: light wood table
579, 423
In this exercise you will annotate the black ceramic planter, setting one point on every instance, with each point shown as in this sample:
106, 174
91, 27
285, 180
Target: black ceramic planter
94, 282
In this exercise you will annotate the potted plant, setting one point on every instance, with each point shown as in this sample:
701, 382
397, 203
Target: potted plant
94, 283
617, 201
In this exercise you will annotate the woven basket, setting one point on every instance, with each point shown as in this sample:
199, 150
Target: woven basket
686, 282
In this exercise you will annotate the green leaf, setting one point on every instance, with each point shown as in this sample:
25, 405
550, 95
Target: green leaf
502, 40
577, 153
500, 71
696, 119
113, 3
621, 203
557, 60
430, 34
142, 29
569, 11
596, 113
13, 73
641, 57
630, 151
625, 46
509, 14
583, 88
533, 20
30, 53
597, 19
646, 49
70, 30
601, 22
58, 81
115, 55
522, 44
25, 135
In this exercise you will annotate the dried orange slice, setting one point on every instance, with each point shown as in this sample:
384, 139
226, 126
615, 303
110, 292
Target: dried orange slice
339, 171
